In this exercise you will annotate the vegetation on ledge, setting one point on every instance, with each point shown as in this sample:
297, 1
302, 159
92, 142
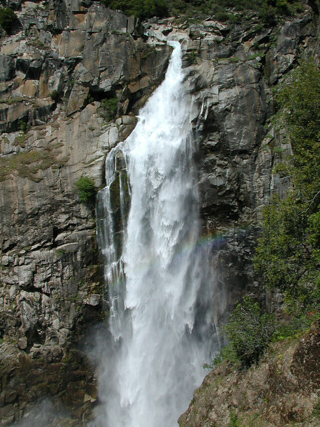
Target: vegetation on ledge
7, 19
249, 331
28, 164
86, 189
108, 108
267, 10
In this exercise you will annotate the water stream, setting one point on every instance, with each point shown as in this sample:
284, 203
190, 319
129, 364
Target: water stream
158, 281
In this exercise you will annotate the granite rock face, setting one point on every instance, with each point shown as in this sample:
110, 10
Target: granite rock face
233, 72
58, 70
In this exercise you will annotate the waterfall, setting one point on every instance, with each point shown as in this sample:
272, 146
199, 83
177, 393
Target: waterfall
158, 284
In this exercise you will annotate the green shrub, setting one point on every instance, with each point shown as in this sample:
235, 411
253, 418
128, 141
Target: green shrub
226, 353
191, 58
140, 8
234, 420
316, 409
109, 108
7, 19
294, 327
249, 331
222, 16
268, 14
54, 95
23, 126
86, 189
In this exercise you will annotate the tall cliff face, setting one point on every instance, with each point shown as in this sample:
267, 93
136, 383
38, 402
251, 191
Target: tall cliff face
62, 59
239, 144
61, 66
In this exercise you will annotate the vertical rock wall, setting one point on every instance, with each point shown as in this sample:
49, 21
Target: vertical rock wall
60, 67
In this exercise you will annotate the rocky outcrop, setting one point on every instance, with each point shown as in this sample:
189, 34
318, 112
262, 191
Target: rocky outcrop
58, 70
280, 391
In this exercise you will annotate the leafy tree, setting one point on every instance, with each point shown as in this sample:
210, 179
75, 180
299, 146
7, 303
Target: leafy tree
249, 331
7, 18
281, 253
288, 252
300, 102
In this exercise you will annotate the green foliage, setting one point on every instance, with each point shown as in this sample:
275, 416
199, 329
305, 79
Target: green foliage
288, 252
234, 420
86, 189
268, 14
23, 126
109, 108
294, 327
7, 18
249, 331
268, 11
191, 57
140, 8
54, 95
281, 252
316, 409
222, 15
300, 102
226, 353
20, 140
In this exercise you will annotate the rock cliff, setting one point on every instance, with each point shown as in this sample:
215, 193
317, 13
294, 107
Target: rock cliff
58, 65
62, 67
281, 391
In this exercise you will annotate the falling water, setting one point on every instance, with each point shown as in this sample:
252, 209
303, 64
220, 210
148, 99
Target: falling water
159, 315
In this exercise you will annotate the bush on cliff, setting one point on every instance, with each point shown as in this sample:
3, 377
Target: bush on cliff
108, 109
86, 189
7, 19
140, 8
249, 331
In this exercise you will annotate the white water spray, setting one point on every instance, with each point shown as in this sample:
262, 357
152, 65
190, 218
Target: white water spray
159, 316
